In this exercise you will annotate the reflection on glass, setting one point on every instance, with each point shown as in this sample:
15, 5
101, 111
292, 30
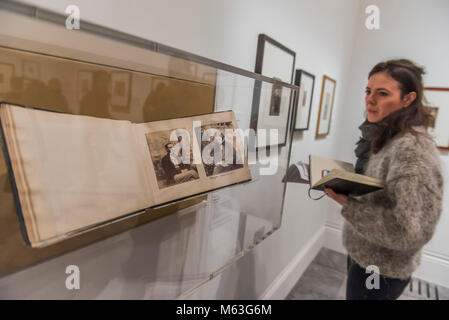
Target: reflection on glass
69, 86
173, 254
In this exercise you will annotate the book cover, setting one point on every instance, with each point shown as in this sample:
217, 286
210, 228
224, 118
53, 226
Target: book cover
340, 177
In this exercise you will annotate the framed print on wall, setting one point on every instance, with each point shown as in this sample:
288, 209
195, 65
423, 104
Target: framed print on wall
437, 99
306, 82
326, 106
271, 103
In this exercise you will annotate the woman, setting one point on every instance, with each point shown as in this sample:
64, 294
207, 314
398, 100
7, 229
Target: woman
387, 229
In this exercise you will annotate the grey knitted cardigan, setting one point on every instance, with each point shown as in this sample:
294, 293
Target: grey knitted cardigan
388, 228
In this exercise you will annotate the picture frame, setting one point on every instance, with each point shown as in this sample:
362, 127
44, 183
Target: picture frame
271, 103
120, 90
437, 99
303, 106
327, 98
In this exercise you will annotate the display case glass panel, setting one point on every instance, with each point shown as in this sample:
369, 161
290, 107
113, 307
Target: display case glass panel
167, 251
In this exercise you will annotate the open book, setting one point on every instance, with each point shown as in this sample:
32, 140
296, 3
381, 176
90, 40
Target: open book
70, 173
340, 177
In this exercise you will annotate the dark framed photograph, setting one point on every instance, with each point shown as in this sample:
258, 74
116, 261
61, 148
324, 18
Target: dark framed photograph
326, 106
306, 83
271, 102
437, 101
221, 134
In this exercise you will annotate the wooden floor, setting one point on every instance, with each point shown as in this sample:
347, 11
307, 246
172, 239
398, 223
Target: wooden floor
325, 279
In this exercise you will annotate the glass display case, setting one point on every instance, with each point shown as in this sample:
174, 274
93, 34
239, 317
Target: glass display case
170, 250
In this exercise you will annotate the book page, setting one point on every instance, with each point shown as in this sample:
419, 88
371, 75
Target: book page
181, 173
318, 164
303, 170
74, 171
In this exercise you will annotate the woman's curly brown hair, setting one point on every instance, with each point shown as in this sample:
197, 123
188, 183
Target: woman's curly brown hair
409, 77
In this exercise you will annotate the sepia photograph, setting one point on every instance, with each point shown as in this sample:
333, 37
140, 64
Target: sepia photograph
182, 164
218, 140
276, 93
168, 166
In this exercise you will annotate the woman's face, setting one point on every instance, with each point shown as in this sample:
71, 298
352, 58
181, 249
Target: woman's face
383, 96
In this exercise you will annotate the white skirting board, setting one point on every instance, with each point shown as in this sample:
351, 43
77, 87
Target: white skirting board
286, 280
434, 268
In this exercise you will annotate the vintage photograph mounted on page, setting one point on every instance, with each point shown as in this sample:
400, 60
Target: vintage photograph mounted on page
71, 173
186, 156
340, 177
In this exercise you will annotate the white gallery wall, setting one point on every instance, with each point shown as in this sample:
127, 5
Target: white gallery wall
329, 37
415, 30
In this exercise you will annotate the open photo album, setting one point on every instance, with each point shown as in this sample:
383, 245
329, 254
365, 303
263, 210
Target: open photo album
70, 173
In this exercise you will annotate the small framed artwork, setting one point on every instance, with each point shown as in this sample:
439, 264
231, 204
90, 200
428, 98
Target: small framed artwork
306, 83
6, 75
121, 90
437, 99
271, 102
326, 106
31, 70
